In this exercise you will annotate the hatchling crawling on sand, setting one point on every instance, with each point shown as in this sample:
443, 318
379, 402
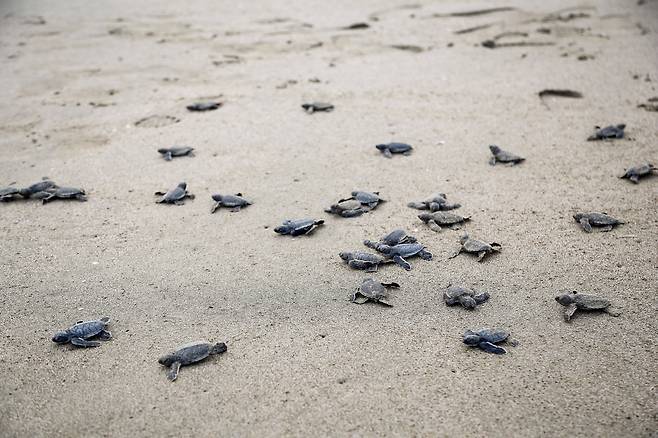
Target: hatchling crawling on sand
404, 250
61, 193
486, 340
178, 151
635, 173
475, 246
204, 106
347, 208
82, 333
188, 354
369, 200
9, 194
437, 219
435, 202
176, 195
393, 238
234, 202
574, 301
468, 298
372, 290
608, 133
38, 189
599, 220
363, 260
394, 148
501, 156
315, 107
298, 227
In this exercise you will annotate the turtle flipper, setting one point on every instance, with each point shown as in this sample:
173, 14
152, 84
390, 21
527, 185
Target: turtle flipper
385, 303
172, 374
159, 193
434, 226
425, 255
467, 302
357, 298
79, 342
606, 228
634, 178
370, 244
613, 312
168, 156
387, 153
481, 255
235, 209
402, 262
569, 311
393, 285
215, 207
456, 253
48, 198
584, 222
105, 335
492, 161
352, 213
491, 348
417, 205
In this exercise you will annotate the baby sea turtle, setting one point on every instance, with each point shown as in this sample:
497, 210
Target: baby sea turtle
574, 301
404, 250
475, 246
600, 220
204, 106
436, 219
363, 260
501, 156
372, 290
468, 298
37, 189
297, 227
317, 106
634, 173
346, 208
9, 194
82, 331
367, 199
234, 202
176, 195
435, 202
394, 148
608, 133
393, 238
177, 151
188, 354
486, 340
61, 193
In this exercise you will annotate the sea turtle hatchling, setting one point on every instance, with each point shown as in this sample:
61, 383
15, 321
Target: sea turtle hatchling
298, 227
204, 106
61, 193
363, 260
38, 189
468, 298
315, 107
608, 133
437, 219
475, 246
599, 220
234, 202
404, 250
393, 238
389, 149
176, 195
368, 200
486, 340
435, 202
574, 301
9, 194
634, 173
372, 290
177, 151
188, 354
346, 208
81, 334
501, 156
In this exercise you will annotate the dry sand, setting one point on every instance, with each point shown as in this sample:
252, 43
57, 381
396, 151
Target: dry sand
302, 359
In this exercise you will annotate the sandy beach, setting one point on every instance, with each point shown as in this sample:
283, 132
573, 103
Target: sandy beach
91, 91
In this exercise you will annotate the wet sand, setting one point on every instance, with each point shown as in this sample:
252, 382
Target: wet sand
301, 358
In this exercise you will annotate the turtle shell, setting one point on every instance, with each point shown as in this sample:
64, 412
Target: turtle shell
445, 218
590, 302
189, 353
8, 191
493, 335
601, 219
373, 289
68, 192
86, 329
474, 245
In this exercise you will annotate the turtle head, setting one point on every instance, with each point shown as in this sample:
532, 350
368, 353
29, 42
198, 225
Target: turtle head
61, 337
345, 255
183, 185
471, 338
425, 217
163, 150
217, 197
166, 360
283, 229
578, 216
494, 149
566, 298
382, 147
464, 238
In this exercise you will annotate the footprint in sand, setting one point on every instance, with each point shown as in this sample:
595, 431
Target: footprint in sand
156, 121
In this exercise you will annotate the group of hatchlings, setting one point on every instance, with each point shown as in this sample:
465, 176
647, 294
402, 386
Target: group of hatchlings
395, 247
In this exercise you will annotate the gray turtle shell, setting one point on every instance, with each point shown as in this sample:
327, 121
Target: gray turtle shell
397, 237
373, 289
362, 256
491, 335
176, 151
67, 192
443, 218
317, 106
452, 293
88, 329
188, 353
609, 132
231, 200
37, 187
366, 197
474, 245
176, 194
597, 219
504, 156
584, 301
345, 205
9, 192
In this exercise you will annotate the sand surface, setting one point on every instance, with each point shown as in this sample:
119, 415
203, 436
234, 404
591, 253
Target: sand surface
302, 360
